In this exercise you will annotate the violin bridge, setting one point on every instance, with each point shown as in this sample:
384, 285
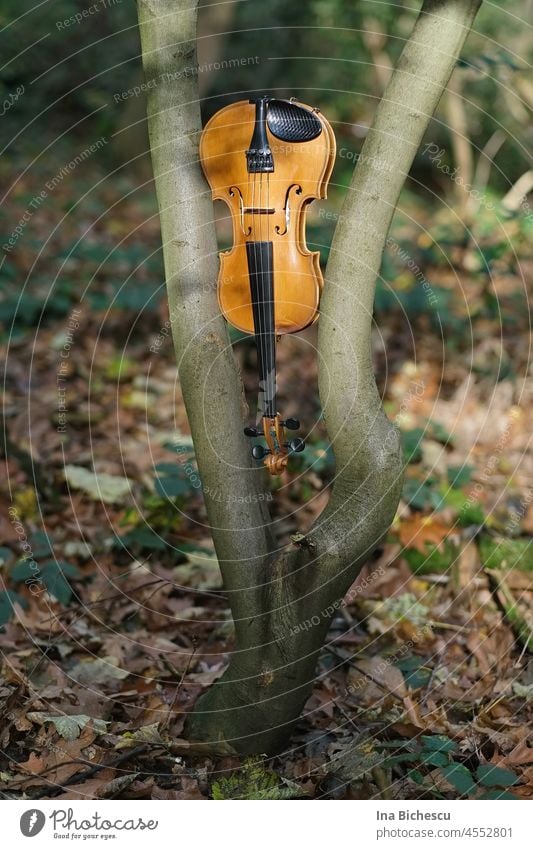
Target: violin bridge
254, 210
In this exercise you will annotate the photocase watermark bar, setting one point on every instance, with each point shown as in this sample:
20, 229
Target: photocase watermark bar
129, 823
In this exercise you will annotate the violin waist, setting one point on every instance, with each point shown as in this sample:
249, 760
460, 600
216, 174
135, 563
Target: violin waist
296, 283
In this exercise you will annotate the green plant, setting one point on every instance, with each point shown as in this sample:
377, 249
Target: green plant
7, 599
253, 781
41, 571
52, 575
434, 559
428, 753
422, 495
502, 553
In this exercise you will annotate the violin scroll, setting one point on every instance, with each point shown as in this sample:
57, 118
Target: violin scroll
277, 451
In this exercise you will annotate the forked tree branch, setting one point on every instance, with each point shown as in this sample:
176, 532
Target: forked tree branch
271, 671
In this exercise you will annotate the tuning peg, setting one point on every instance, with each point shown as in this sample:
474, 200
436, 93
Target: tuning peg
252, 431
291, 424
258, 452
296, 445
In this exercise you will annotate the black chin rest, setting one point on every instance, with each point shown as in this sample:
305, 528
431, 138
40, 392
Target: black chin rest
292, 123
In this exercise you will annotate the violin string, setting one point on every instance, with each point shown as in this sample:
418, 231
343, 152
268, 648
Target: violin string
261, 305
259, 329
272, 340
264, 306
267, 305
258, 286
254, 286
268, 293
272, 308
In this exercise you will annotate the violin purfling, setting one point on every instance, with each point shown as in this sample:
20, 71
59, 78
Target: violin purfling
267, 159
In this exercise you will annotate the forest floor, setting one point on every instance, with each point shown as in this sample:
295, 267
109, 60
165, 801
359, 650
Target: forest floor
113, 618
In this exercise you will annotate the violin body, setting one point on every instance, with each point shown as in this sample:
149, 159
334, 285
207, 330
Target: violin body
267, 208
267, 159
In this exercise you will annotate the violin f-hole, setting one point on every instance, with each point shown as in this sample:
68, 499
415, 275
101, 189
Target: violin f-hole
287, 210
232, 190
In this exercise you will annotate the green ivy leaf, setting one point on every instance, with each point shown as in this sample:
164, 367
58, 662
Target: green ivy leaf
172, 487
416, 776
5, 555
7, 599
438, 743
495, 776
41, 544
440, 434
22, 571
142, 538
412, 444
54, 575
459, 476
421, 495
414, 670
459, 777
434, 759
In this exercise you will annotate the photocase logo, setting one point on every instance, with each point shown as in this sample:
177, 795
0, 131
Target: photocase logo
32, 822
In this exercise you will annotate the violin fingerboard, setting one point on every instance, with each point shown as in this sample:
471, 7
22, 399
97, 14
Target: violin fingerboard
261, 274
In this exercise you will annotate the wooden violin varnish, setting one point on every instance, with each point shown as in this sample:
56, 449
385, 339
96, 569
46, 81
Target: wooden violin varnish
268, 159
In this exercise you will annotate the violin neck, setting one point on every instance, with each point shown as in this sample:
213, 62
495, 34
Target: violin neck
261, 274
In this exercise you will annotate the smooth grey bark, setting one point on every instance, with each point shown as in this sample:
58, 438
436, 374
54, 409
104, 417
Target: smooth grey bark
273, 593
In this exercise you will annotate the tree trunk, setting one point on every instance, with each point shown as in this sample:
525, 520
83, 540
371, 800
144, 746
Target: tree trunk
282, 600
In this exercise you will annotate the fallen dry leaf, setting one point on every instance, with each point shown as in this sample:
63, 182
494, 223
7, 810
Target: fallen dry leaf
420, 531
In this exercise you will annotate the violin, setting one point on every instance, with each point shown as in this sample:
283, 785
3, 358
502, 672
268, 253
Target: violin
267, 159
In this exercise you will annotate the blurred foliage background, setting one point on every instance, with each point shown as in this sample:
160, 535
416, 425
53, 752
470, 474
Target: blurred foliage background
66, 82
